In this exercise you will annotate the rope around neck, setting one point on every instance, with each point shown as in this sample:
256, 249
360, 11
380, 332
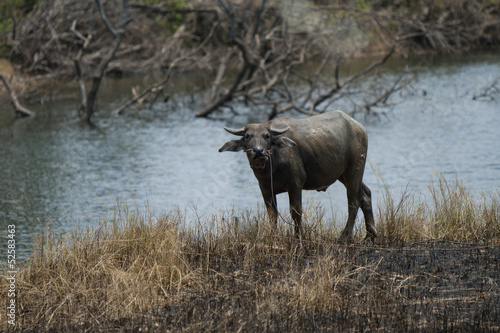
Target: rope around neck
273, 196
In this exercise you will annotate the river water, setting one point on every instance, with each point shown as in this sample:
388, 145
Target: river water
56, 173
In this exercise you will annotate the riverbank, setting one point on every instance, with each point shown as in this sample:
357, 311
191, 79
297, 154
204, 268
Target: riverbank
432, 268
43, 38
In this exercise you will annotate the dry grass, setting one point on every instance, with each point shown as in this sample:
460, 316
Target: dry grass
121, 268
453, 216
433, 268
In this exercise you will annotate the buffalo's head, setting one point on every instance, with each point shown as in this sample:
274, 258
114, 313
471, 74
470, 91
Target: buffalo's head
257, 140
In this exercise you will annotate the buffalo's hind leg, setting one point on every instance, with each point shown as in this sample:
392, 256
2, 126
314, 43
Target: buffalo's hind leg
366, 207
358, 195
353, 188
295, 197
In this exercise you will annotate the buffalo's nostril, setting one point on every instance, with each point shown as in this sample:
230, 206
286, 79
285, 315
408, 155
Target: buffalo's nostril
258, 150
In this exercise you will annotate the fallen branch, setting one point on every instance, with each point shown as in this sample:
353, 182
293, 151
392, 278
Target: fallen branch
382, 98
489, 91
152, 89
21, 110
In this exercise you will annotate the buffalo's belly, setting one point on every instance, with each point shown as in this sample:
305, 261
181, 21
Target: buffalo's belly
319, 183
322, 170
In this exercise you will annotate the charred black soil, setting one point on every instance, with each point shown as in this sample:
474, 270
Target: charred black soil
425, 287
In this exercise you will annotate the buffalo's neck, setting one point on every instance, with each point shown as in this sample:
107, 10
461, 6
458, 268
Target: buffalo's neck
263, 173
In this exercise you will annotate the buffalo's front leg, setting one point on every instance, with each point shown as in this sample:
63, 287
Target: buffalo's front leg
295, 197
271, 207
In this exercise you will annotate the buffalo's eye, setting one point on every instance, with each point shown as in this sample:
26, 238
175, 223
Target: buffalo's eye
267, 136
247, 136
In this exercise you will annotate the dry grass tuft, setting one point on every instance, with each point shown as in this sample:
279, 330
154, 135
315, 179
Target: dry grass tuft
124, 267
457, 217
453, 216
431, 269
403, 222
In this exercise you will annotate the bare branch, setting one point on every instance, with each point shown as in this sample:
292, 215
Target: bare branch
382, 98
229, 10
145, 93
105, 18
19, 109
314, 81
155, 87
257, 20
339, 85
220, 74
225, 98
169, 74
172, 10
77, 62
76, 32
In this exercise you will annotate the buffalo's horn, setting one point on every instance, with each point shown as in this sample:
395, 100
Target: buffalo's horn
238, 131
278, 131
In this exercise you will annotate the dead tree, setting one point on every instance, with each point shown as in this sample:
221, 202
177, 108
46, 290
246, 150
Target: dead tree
267, 54
88, 100
270, 56
248, 43
180, 60
18, 107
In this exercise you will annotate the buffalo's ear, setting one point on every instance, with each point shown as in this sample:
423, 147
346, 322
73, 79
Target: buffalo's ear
283, 141
233, 145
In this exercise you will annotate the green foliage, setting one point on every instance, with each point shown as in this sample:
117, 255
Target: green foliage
171, 22
362, 5
8, 10
16, 8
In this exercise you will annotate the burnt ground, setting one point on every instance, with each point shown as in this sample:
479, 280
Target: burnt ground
423, 287
443, 286
434, 286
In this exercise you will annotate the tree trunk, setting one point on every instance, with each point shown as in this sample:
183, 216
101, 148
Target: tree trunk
87, 107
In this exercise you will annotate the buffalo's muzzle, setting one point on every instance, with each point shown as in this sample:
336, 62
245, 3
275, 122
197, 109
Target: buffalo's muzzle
258, 151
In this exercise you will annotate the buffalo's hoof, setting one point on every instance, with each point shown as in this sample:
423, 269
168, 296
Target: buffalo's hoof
369, 239
370, 236
345, 238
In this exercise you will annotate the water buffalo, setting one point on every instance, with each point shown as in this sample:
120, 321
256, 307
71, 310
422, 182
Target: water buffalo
291, 155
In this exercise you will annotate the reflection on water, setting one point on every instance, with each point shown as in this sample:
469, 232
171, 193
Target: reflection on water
55, 172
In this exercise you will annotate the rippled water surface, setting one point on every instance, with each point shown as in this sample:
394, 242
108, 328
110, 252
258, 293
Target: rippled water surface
55, 172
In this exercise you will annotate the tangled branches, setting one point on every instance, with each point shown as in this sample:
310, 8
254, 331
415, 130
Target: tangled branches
272, 52
270, 45
446, 26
